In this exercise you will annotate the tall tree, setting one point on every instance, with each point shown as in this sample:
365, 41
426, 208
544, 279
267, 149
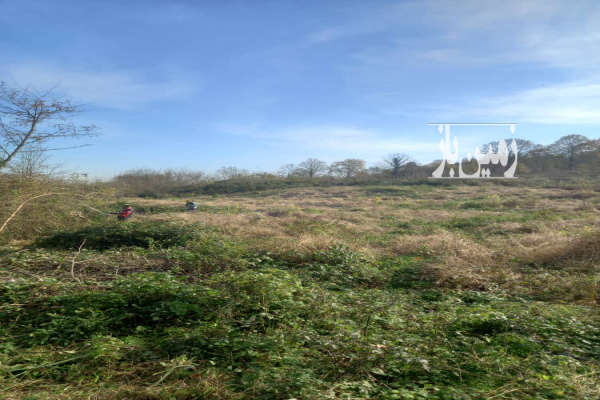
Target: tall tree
348, 168
31, 119
569, 146
312, 167
396, 162
524, 146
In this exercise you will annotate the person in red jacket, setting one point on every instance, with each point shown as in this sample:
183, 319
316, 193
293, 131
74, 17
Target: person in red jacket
125, 213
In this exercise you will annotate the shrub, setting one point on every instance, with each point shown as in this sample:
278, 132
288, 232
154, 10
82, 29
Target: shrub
260, 299
484, 324
138, 302
106, 236
340, 267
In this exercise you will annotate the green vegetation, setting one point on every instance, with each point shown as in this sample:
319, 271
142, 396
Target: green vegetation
106, 236
206, 305
269, 334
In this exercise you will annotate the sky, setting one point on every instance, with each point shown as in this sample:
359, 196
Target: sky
204, 84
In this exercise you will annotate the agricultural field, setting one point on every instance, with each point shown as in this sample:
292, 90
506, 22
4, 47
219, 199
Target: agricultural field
413, 291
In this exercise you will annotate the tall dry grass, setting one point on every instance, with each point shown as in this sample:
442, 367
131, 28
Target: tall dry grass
512, 249
32, 207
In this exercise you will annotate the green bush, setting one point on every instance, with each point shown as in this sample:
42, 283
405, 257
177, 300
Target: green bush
485, 324
260, 299
106, 236
338, 266
138, 302
209, 253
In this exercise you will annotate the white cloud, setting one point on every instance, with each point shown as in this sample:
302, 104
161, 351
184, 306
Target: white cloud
570, 103
576, 102
339, 141
333, 33
328, 35
560, 35
348, 139
557, 33
554, 33
116, 89
364, 19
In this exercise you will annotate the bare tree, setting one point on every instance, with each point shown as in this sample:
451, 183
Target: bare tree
524, 146
288, 170
375, 170
30, 163
396, 163
29, 118
348, 168
187, 177
231, 172
155, 183
312, 167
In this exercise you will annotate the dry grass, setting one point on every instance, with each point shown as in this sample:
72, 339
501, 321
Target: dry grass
538, 243
476, 237
400, 220
580, 252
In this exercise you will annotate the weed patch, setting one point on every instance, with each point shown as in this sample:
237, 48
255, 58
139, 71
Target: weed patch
101, 237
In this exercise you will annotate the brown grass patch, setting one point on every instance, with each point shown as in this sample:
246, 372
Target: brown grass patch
581, 252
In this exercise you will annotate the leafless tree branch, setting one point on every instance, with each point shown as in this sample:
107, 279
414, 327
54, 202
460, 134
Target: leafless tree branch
31, 118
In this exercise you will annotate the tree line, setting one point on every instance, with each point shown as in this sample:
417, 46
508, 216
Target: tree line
30, 120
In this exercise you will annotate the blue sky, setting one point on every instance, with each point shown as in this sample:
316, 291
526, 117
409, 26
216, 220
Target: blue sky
204, 84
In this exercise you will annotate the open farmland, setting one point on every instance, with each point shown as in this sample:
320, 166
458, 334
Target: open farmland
483, 291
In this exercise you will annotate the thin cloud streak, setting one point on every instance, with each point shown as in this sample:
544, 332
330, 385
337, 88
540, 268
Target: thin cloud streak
116, 89
341, 141
568, 103
552, 33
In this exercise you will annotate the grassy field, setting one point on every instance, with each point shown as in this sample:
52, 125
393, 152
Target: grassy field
365, 292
